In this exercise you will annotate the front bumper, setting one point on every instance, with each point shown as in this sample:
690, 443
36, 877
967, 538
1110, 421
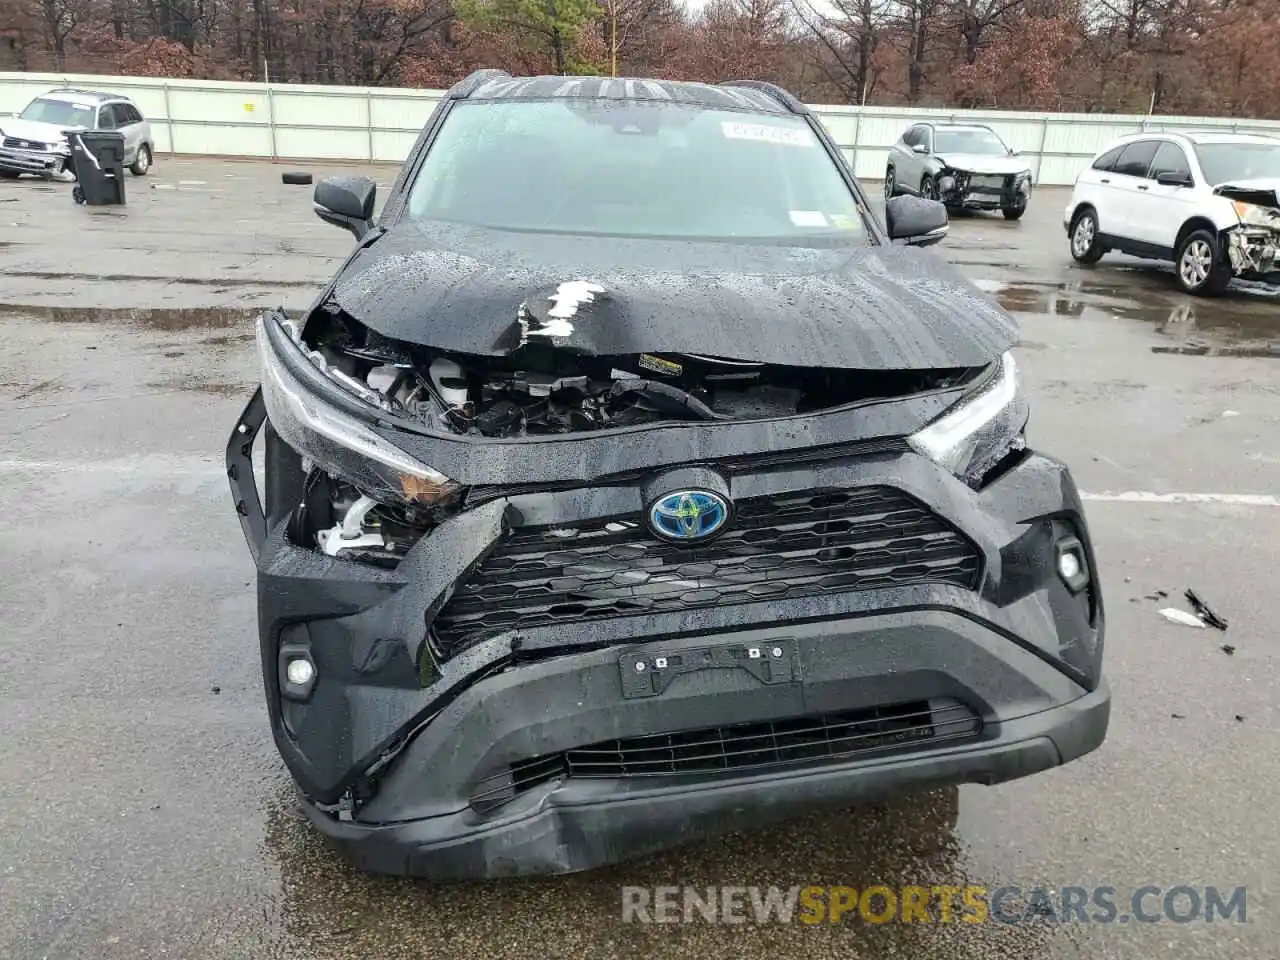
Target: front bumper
965, 191
580, 825
31, 161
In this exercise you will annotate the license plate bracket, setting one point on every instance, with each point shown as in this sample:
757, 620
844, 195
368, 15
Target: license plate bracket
649, 674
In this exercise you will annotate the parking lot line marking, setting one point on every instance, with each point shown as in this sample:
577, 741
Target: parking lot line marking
1148, 496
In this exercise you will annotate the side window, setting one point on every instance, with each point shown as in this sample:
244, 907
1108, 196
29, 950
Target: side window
911, 137
1107, 162
1170, 158
926, 137
106, 117
1137, 158
132, 112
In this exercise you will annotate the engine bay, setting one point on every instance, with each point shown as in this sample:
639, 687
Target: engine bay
543, 389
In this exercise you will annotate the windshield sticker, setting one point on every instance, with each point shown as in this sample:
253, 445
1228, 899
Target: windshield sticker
842, 221
766, 133
808, 218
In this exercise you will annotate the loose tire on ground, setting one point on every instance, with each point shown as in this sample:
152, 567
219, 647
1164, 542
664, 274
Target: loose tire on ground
297, 179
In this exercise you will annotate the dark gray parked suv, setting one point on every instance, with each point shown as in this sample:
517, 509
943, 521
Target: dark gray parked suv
632, 482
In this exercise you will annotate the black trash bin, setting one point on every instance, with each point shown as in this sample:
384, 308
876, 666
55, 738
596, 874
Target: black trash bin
97, 160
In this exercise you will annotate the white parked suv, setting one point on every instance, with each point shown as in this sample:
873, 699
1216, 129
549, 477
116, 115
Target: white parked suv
1207, 202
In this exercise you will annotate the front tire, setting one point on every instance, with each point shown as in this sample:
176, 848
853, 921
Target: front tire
142, 162
9, 174
1014, 213
1085, 247
1202, 270
929, 188
890, 184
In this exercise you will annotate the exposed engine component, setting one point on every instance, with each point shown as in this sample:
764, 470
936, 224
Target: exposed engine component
341, 522
539, 389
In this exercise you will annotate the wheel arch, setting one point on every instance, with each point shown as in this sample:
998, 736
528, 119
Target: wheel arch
1192, 224
1080, 208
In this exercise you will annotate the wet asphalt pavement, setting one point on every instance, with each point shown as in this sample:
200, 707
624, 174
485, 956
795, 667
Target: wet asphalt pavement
143, 809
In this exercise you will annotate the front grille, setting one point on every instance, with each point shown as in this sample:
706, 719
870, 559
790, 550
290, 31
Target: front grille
741, 748
781, 547
14, 143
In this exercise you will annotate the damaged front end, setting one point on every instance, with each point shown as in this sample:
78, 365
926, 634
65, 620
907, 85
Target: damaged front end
966, 190
1253, 246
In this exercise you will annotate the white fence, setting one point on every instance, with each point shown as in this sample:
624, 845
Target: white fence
380, 124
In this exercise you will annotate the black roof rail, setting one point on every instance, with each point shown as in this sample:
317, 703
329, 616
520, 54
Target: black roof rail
772, 89
467, 86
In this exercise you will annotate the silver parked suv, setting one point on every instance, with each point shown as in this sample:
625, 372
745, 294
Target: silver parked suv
35, 141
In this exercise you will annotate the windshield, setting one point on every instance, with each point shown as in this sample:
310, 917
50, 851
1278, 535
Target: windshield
1225, 162
60, 112
982, 142
633, 169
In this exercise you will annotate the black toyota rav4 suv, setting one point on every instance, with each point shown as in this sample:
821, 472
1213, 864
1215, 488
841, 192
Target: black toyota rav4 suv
633, 482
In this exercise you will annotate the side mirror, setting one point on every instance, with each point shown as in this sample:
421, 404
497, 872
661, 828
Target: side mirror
919, 148
347, 202
1173, 180
915, 221
1015, 153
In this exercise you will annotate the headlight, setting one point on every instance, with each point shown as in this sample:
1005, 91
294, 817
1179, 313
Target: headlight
1253, 215
981, 429
340, 444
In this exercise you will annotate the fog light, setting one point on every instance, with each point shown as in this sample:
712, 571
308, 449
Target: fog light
1071, 564
297, 668
300, 672
1068, 567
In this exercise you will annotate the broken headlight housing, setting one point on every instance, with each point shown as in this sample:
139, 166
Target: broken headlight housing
982, 429
1253, 215
339, 443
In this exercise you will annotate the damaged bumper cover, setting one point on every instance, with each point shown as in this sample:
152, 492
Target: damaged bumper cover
961, 189
540, 685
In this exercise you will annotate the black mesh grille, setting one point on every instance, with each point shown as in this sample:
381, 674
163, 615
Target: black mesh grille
796, 545
742, 748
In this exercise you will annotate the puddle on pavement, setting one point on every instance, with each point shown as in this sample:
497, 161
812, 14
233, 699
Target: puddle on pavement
207, 318
910, 840
1243, 322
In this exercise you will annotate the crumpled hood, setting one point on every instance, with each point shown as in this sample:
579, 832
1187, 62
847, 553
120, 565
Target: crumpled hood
981, 163
33, 130
487, 292
1264, 191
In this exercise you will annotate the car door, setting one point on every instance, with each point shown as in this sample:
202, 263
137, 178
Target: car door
900, 157
1162, 208
1126, 187
908, 166
128, 125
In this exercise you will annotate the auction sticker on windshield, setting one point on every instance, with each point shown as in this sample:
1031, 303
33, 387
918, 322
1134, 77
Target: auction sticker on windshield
766, 133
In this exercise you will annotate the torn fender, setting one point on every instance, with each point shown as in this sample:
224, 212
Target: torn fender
1253, 244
